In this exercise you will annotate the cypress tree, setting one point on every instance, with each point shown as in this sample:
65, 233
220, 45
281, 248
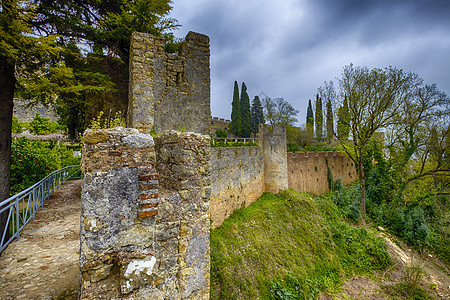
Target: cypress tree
343, 125
245, 112
319, 118
257, 114
329, 121
236, 121
310, 119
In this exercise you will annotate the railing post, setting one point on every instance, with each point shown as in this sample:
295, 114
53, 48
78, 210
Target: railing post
17, 217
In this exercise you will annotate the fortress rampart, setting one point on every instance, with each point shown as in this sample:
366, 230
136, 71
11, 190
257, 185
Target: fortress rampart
148, 203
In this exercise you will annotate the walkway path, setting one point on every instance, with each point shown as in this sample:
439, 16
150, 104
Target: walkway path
43, 264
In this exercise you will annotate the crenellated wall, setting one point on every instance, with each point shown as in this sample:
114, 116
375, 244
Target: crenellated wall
145, 215
168, 91
240, 175
308, 172
237, 180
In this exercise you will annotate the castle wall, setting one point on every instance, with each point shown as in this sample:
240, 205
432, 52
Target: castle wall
25, 111
145, 215
308, 172
169, 91
275, 160
237, 180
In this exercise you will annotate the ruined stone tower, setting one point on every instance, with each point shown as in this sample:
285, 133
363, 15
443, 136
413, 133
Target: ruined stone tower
169, 91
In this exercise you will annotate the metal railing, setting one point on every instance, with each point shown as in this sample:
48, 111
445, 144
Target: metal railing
23, 206
234, 140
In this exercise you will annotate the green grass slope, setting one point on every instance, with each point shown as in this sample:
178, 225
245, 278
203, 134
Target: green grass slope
289, 246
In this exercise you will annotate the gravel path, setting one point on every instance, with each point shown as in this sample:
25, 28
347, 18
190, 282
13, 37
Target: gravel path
43, 264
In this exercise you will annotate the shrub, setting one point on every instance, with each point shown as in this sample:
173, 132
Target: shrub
221, 133
291, 147
41, 125
16, 126
31, 161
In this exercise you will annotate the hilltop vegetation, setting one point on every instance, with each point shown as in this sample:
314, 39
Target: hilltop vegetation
290, 246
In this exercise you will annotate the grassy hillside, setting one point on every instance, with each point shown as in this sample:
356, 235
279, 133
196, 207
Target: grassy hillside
289, 246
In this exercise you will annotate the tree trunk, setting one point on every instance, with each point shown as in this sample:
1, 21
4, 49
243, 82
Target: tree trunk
7, 85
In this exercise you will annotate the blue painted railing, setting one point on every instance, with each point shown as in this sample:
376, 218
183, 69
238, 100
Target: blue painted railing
23, 206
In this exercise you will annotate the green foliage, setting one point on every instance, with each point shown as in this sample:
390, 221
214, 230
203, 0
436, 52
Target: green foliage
31, 161
257, 114
319, 118
329, 116
246, 115
343, 124
100, 122
310, 118
289, 246
17, 127
221, 133
44, 126
291, 147
236, 117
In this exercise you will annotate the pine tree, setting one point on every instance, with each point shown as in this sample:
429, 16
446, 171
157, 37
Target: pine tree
236, 120
310, 119
257, 114
343, 125
319, 118
245, 112
329, 121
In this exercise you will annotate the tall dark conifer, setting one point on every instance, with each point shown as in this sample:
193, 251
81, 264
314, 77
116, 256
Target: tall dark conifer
245, 112
257, 114
310, 119
236, 120
319, 118
343, 124
329, 121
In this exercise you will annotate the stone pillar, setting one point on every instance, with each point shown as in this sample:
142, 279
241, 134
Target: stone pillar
141, 106
183, 165
273, 140
140, 239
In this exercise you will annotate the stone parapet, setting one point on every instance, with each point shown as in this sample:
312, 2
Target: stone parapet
142, 239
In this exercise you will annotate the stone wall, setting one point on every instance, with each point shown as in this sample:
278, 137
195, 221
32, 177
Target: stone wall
237, 179
145, 215
308, 172
275, 162
169, 91
240, 175
25, 110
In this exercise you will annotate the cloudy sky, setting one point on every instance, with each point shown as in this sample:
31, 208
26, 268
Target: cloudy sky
288, 48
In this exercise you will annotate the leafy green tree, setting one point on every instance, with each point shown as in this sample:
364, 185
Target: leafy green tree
343, 124
236, 117
374, 98
310, 119
279, 111
286, 112
246, 115
319, 118
257, 114
330, 128
34, 33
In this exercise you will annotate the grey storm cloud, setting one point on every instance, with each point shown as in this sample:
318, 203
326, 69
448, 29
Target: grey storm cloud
289, 48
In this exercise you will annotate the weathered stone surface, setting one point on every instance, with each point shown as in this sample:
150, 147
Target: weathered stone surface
168, 91
139, 241
138, 235
139, 141
308, 172
139, 272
